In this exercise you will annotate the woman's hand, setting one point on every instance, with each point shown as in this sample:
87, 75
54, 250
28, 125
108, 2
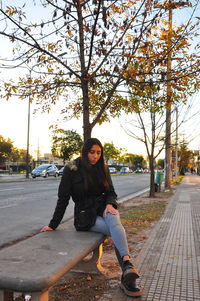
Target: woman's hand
46, 228
110, 209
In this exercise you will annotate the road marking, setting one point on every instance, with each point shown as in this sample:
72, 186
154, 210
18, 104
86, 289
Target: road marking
16, 188
8, 206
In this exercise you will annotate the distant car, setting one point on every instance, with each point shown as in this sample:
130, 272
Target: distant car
45, 171
125, 170
139, 170
146, 170
112, 170
60, 172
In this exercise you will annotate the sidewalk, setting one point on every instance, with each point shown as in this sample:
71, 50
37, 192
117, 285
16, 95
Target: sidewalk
169, 263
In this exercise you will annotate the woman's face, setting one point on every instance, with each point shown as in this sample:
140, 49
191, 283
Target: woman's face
94, 154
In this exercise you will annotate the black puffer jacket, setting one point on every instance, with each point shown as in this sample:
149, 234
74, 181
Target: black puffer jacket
72, 185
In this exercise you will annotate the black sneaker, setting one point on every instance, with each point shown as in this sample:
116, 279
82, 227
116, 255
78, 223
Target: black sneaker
129, 272
132, 289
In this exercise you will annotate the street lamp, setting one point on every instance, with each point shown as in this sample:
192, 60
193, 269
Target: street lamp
28, 127
28, 133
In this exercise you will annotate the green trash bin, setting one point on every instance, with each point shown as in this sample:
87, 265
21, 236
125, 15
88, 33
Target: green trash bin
158, 180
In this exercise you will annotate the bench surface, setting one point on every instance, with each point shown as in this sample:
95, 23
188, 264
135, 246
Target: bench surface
36, 263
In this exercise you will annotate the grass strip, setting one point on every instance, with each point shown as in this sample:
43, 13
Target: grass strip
140, 217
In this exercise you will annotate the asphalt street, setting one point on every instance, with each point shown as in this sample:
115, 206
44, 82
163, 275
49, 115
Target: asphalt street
26, 206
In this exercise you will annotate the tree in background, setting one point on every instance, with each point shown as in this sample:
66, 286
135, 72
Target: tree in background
11, 154
134, 161
111, 152
184, 156
6, 147
15, 156
65, 144
148, 127
22, 153
120, 155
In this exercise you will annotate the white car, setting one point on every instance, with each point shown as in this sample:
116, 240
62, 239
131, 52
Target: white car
45, 171
112, 170
125, 170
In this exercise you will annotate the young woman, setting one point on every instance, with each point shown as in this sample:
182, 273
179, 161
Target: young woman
88, 182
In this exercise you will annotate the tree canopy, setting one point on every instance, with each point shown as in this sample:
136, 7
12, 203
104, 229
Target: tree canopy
66, 144
184, 156
8, 152
110, 151
135, 161
6, 147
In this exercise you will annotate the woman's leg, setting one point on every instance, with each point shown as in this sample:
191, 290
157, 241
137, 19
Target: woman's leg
119, 258
111, 226
117, 233
129, 273
100, 226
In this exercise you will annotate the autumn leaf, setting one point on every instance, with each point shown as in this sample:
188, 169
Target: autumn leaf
62, 288
10, 10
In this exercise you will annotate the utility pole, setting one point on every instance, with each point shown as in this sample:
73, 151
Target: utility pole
168, 104
176, 172
28, 131
168, 157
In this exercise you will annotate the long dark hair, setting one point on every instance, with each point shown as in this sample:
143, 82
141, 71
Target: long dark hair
100, 166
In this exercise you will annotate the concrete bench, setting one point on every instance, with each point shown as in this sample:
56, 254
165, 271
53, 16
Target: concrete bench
34, 265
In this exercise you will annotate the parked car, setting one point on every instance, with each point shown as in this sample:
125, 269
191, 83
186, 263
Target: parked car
146, 170
60, 172
45, 171
139, 170
112, 170
125, 170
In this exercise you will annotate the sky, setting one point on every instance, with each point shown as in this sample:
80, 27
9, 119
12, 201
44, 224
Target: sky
14, 121
14, 124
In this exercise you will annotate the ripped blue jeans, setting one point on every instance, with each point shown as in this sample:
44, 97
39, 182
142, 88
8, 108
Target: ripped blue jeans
111, 226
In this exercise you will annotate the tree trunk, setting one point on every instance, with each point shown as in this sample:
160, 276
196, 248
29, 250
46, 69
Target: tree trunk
86, 113
84, 76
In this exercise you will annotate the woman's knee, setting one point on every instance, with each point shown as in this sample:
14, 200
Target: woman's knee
113, 219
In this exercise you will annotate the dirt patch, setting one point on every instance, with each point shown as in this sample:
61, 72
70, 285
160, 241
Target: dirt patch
79, 286
88, 287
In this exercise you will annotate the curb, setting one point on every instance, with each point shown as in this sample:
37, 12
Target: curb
133, 195
24, 179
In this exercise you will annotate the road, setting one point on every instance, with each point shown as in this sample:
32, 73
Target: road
25, 207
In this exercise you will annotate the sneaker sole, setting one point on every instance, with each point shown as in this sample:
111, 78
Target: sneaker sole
131, 293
